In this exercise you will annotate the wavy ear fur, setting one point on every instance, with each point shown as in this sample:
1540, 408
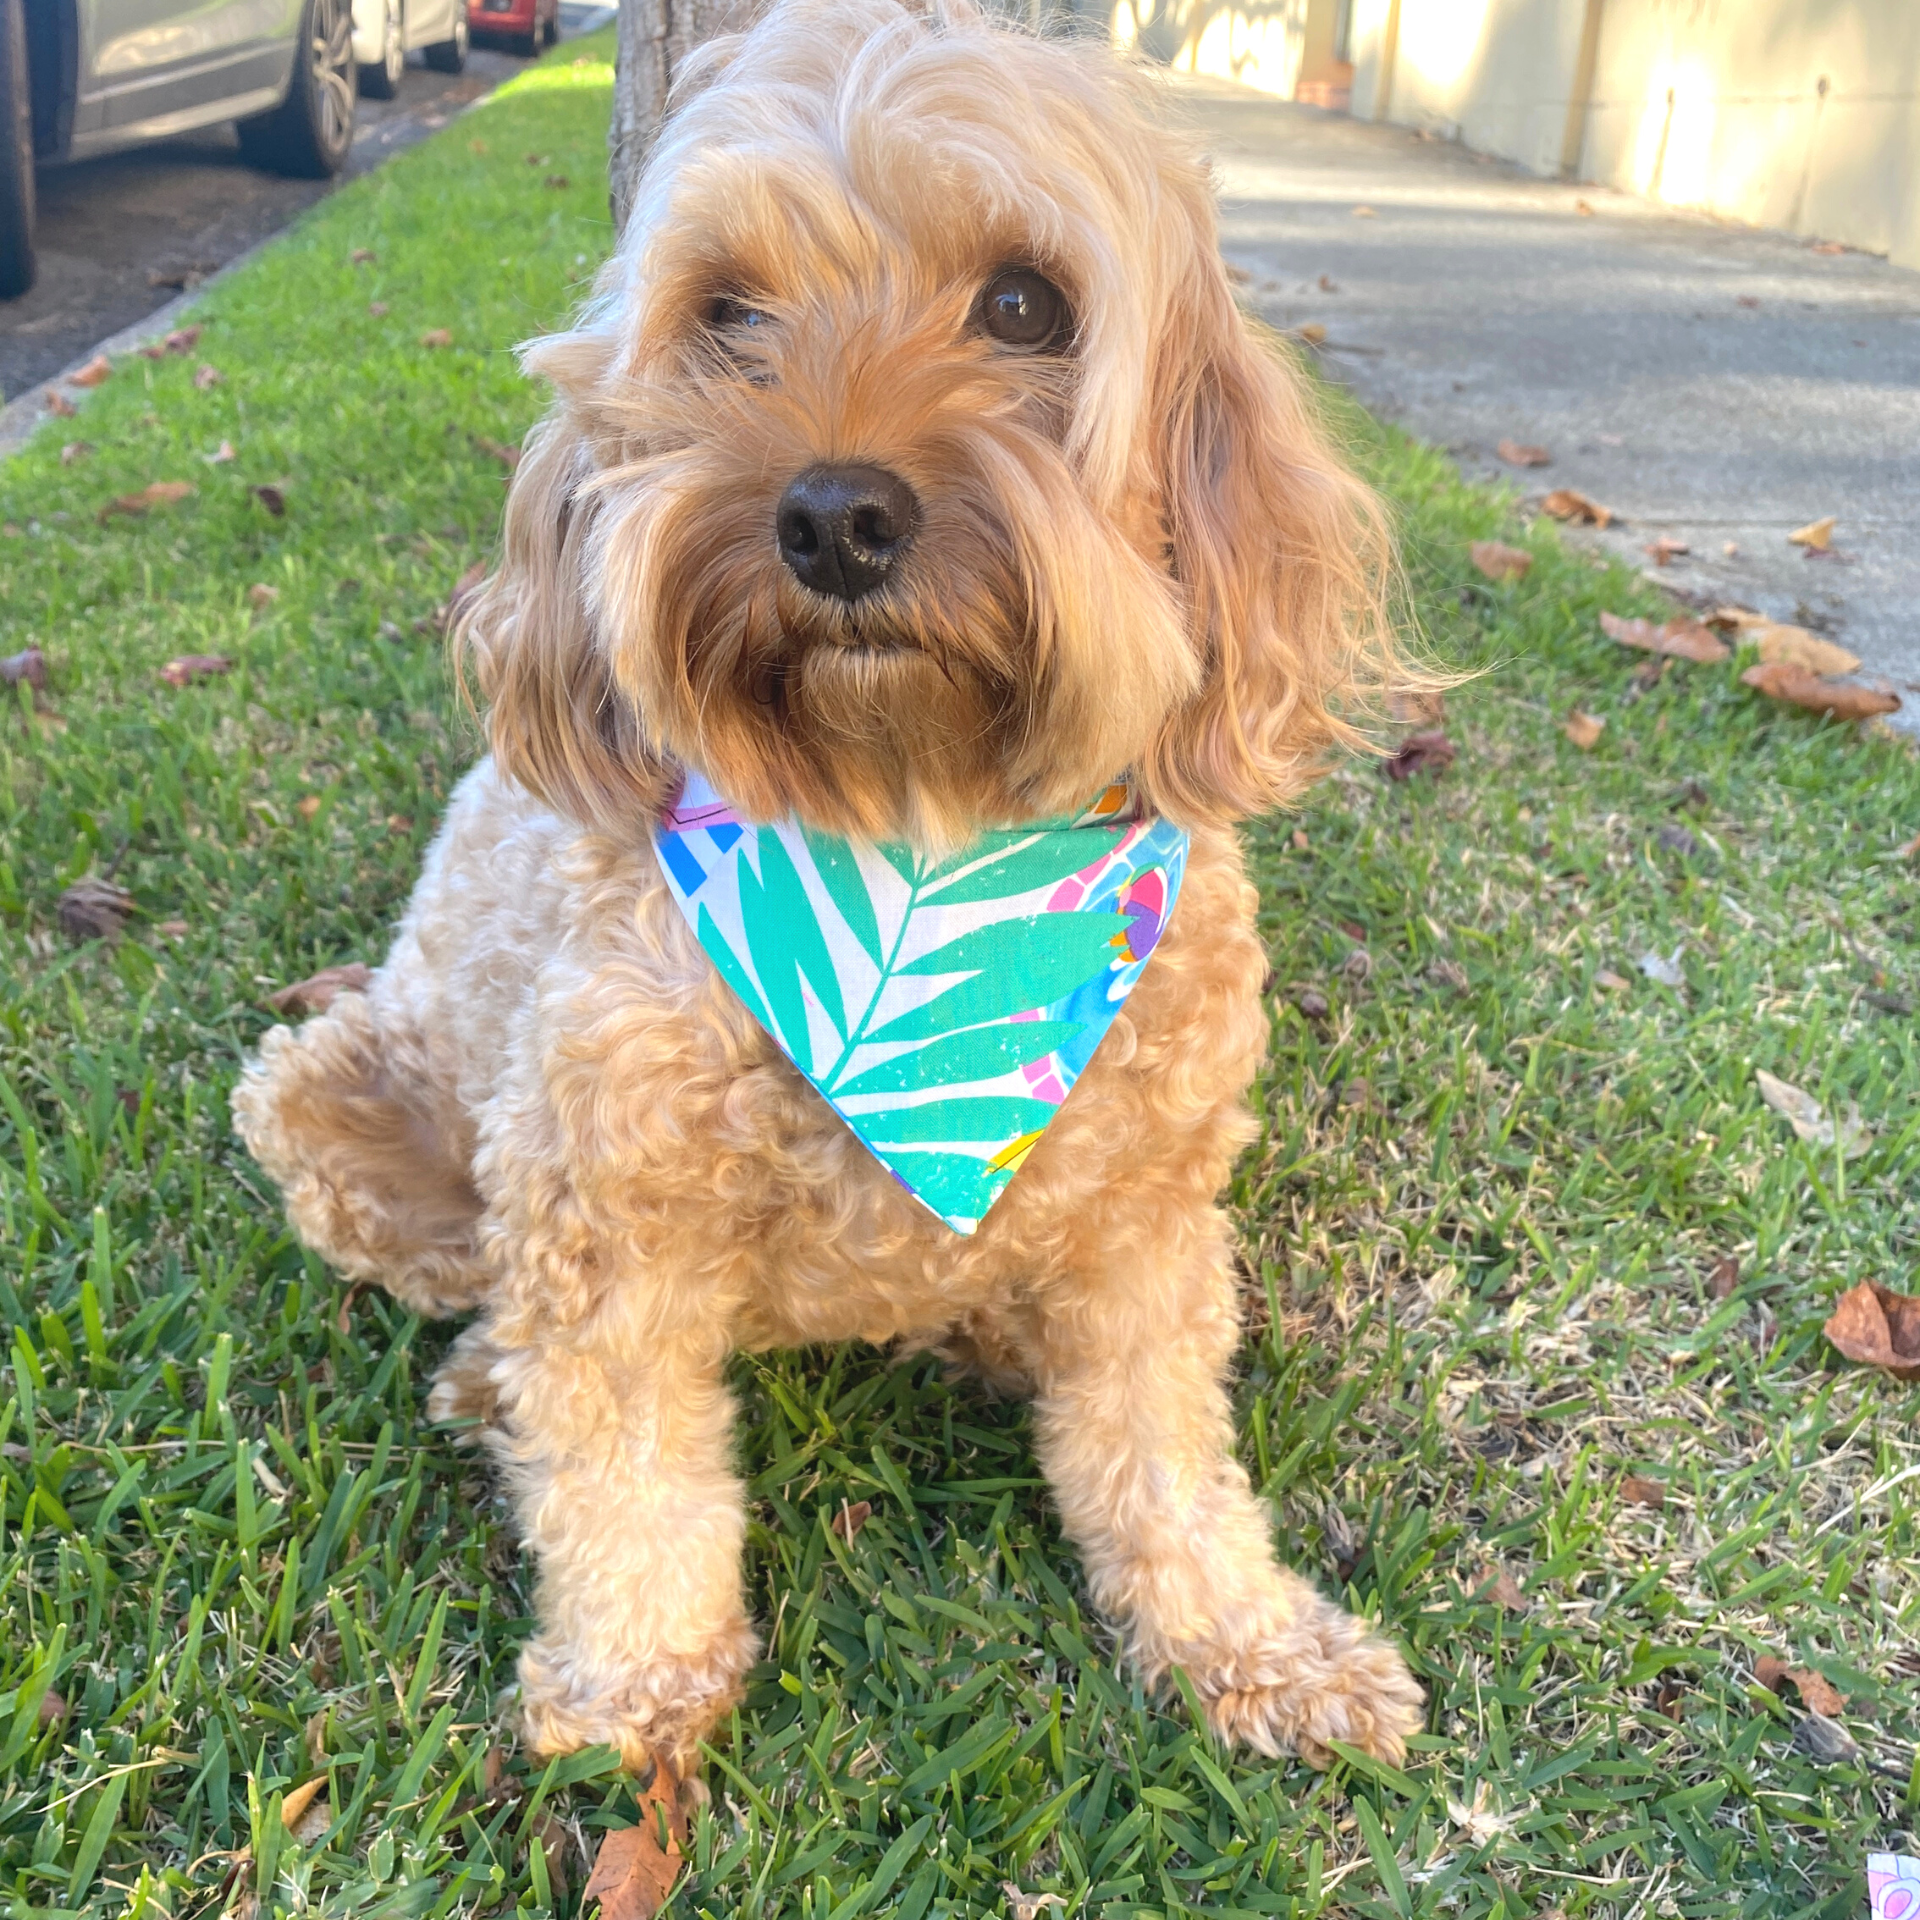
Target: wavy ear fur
557, 722
1285, 556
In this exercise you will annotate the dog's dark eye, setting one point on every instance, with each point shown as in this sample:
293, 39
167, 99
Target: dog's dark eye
728, 314
1025, 309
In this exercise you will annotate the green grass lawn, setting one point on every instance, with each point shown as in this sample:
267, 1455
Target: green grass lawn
1479, 1231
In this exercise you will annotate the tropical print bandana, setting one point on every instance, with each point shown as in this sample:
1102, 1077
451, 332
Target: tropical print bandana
943, 1008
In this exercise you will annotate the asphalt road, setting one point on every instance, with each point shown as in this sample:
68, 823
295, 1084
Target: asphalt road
123, 235
1715, 385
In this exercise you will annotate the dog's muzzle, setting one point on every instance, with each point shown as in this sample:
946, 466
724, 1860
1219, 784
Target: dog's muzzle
842, 528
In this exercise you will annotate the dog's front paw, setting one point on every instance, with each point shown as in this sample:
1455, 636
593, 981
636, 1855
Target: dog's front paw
663, 1710
1306, 1680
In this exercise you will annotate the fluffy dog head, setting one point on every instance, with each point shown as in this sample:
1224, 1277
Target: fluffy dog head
913, 469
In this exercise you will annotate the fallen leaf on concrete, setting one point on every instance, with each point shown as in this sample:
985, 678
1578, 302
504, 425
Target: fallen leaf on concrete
1429, 751
93, 909
1328, 284
317, 992
59, 405
1796, 647
1817, 1693
75, 450
1817, 533
1517, 455
1499, 561
191, 667
1583, 729
1495, 1583
1724, 1278
850, 1519
1637, 1492
1666, 548
272, 499
96, 370
1779, 680
26, 668
1879, 1328
437, 337
1583, 209
162, 493
1682, 639
1810, 1120
207, 375
636, 1866
1663, 969
1564, 504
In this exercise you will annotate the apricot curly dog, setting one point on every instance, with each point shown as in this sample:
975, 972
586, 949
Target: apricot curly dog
911, 477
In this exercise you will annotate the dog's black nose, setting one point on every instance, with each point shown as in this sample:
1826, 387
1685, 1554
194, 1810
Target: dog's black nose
841, 528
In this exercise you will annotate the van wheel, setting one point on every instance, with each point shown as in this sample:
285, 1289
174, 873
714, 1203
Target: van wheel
311, 132
16, 154
449, 56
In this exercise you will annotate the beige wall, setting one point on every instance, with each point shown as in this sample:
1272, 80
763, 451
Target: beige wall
1803, 114
1269, 44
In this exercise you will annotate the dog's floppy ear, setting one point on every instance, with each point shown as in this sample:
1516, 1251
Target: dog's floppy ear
1283, 555
556, 720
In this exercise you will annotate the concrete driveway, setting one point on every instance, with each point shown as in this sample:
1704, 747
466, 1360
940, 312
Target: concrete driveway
1710, 383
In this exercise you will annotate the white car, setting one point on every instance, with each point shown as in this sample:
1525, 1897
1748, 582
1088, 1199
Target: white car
386, 31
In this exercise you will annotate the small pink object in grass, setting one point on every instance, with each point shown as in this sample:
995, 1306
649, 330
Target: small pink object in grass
1893, 1887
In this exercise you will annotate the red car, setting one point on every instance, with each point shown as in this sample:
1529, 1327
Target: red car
528, 24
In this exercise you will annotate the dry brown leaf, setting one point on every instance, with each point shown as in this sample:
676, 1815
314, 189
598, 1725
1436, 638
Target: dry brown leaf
262, 595
1613, 982
1779, 680
190, 667
1500, 562
1910, 849
26, 668
1637, 1492
317, 992
1667, 548
53, 1707
1810, 1120
1879, 1328
272, 499
299, 1799
558, 182
1796, 647
96, 370
1724, 1277
1515, 454
1583, 729
180, 340
1026, 1906
206, 375
1583, 209
1817, 534
307, 806
636, 1866
59, 405
162, 493
1817, 1693
1495, 1583
1564, 504
93, 909
850, 1519
1429, 751
221, 454
378, 309
171, 929
75, 450
1681, 639
437, 337
362, 255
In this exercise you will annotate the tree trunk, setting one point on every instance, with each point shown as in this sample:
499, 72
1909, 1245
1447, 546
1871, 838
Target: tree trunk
655, 38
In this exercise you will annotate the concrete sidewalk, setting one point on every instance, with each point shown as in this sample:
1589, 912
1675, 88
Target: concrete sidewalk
1715, 384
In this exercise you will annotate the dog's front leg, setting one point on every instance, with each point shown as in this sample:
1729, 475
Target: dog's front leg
617, 1435
1135, 1435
